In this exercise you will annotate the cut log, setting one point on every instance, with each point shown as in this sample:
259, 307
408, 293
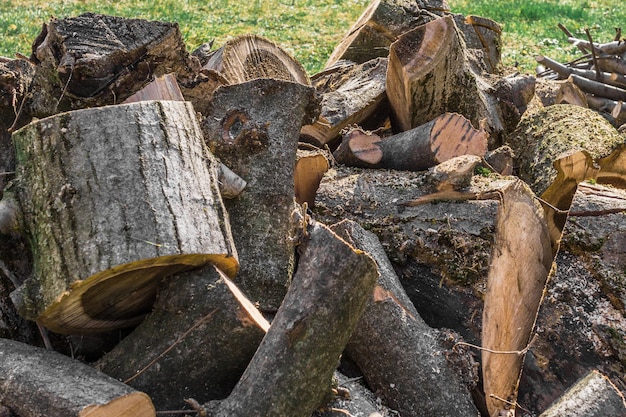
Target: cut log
400, 356
482, 35
309, 171
612, 64
353, 94
94, 60
520, 264
291, 372
248, 57
103, 238
445, 137
253, 128
560, 146
592, 396
376, 29
201, 325
36, 382
428, 75
564, 72
598, 88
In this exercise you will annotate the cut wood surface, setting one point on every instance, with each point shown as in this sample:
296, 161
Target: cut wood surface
400, 356
247, 57
520, 265
195, 343
352, 94
253, 127
36, 382
592, 396
301, 350
161, 88
103, 236
447, 136
309, 171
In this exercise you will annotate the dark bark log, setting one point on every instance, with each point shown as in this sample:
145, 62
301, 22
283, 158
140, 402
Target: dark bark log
565, 71
592, 396
94, 60
196, 343
248, 57
254, 128
612, 64
598, 88
445, 137
353, 94
103, 237
291, 372
400, 356
36, 382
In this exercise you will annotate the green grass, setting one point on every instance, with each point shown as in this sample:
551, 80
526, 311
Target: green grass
310, 29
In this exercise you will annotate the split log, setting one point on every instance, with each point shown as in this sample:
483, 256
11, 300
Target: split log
429, 75
247, 57
400, 356
309, 171
592, 396
196, 343
253, 128
514, 293
445, 137
352, 94
94, 60
102, 239
482, 36
292, 369
376, 29
560, 146
37, 382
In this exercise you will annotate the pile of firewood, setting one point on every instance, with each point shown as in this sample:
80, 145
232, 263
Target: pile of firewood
408, 232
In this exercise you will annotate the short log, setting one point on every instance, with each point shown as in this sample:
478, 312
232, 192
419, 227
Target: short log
309, 171
103, 238
37, 382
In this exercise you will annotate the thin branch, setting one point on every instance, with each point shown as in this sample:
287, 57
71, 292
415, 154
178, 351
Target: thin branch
2, 174
597, 213
498, 352
165, 352
593, 55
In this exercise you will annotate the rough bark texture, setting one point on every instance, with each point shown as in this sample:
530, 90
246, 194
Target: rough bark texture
93, 60
519, 268
400, 356
353, 94
592, 396
253, 128
447, 136
35, 382
196, 343
157, 211
248, 57
301, 350
483, 37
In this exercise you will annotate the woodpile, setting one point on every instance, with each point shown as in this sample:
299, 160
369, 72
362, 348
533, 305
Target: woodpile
411, 231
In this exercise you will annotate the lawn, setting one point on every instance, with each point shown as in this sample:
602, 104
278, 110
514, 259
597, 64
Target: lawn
310, 29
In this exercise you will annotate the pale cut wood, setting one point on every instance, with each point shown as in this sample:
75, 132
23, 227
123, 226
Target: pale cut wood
103, 238
445, 137
290, 374
592, 396
35, 382
196, 342
309, 171
520, 264
398, 353
569, 93
161, 88
352, 94
247, 57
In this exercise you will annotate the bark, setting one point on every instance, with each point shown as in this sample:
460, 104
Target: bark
248, 57
253, 128
447, 136
195, 343
353, 94
400, 356
514, 292
565, 71
35, 382
359, 402
309, 171
592, 396
598, 88
102, 239
483, 36
291, 372
94, 60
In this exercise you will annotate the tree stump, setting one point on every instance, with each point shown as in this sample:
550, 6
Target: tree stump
38, 382
253, 128
102, 237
